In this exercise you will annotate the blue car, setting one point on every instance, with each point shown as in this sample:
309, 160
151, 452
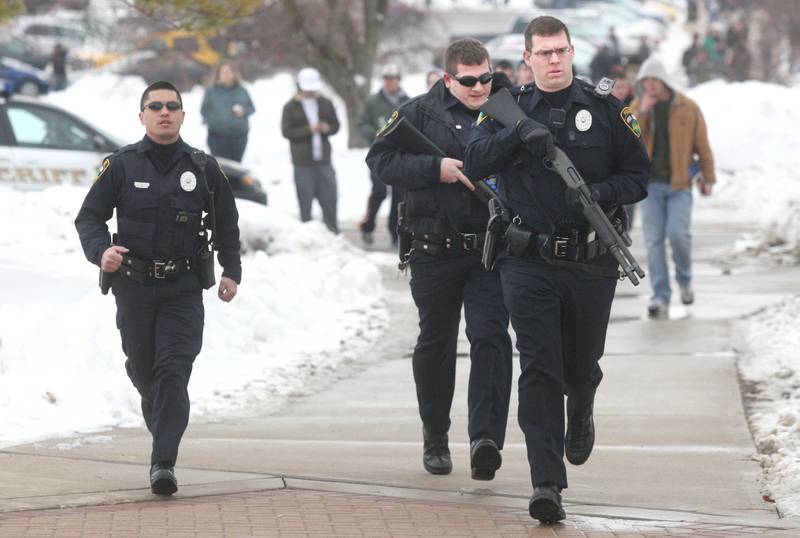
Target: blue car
23, 78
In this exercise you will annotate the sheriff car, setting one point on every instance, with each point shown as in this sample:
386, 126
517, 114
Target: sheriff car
43, 145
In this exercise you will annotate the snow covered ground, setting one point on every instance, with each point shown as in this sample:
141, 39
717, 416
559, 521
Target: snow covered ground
306, 292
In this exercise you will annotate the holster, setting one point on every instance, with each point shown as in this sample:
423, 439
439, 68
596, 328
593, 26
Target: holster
204, 266
404, 237
105, 278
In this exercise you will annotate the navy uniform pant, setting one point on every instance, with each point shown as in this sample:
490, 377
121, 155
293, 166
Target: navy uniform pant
161, 325
560, 317
440, 285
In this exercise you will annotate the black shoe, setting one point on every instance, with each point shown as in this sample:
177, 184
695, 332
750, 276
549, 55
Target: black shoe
367, 237
485, 458
162, 479
545, 504
580, 433
435, 453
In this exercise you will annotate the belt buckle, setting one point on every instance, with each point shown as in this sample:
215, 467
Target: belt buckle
162, 269
159, 270
560, 247
470, 241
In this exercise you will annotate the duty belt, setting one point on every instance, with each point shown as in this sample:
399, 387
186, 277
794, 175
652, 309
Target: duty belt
456, 241
143, 270
569, 247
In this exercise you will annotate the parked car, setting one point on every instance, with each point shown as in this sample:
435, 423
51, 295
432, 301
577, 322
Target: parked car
43, 145
17, 49
23, 78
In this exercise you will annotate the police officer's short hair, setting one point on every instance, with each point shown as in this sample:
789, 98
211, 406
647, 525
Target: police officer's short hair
159, 85
467, 51
544, 26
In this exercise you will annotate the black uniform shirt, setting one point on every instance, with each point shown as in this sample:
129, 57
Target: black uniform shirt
600, 138
159, 195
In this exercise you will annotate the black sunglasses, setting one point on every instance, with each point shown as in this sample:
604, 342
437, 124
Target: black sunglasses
469, 81
155, 106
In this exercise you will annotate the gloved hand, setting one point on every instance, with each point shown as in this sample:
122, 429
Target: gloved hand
600, 193
536, 137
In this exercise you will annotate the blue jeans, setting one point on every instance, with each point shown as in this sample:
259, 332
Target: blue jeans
667, 213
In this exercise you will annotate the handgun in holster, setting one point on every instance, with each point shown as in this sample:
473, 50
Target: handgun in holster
495, 228
404, 237
105, 278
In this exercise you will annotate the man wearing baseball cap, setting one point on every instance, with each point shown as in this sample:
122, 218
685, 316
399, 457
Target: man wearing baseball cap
308, 120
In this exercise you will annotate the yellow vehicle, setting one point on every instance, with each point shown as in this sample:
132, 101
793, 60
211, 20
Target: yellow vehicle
207, 51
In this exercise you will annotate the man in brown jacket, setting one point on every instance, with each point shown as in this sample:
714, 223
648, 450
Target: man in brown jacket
674, 131
308, 120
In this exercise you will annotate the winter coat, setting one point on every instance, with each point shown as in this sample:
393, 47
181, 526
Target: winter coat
217, 109
688, 135
295, 127
377, 110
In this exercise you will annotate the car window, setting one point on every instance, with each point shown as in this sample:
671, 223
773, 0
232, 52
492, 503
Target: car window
34, 126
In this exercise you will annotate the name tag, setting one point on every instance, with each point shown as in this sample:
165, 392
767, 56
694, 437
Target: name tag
141, 184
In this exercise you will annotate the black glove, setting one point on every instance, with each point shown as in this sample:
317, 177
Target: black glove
599, 192
573, 199
536, 137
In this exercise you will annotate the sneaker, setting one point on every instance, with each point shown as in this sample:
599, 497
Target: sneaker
687, 294
658, 308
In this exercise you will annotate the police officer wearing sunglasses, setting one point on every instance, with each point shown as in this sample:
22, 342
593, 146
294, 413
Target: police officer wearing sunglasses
557, 279
447, 224
160, 188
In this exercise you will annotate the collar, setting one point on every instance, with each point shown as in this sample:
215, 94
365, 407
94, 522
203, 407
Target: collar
576, 95
146, 144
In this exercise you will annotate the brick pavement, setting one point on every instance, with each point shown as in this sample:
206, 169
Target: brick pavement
295, 513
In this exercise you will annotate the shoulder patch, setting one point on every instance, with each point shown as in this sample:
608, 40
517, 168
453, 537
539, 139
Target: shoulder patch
391, 120
102, 169
630, 121
481, 118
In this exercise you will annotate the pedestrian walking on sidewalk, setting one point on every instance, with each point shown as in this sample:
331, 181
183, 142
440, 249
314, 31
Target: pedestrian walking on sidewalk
159, 187
308, 120
673, 131
377, 111
447, 226
558, 281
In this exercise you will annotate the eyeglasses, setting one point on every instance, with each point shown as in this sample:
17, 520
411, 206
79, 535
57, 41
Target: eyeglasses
469, 81
547, 54
156, 106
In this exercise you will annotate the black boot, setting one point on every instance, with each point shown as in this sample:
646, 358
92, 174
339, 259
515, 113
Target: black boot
435, 453
545, 504
580, 432
485, 458
162, 479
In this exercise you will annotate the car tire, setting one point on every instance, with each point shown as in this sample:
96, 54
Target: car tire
29, 87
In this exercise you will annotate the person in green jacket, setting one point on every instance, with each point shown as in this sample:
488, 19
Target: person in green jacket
225, 109
377, 111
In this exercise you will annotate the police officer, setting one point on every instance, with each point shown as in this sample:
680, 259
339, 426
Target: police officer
159, 187
447, 224
558, 282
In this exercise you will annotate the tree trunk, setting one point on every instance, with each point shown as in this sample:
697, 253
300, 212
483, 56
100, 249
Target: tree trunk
340, 39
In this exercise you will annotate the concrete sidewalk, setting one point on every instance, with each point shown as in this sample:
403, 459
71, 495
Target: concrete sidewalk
673, 453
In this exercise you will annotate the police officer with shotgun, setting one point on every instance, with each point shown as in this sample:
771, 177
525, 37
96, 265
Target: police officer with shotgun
565, 164
441, 236
161, 261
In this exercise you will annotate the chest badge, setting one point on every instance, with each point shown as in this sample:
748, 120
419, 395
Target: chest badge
583, 120
188, 181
